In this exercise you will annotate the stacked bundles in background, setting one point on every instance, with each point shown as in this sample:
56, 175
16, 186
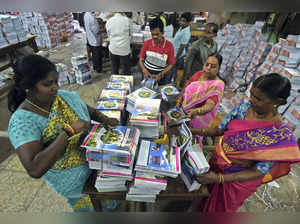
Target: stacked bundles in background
50, 28
145, 187
81, 69
112, 152
146, 117
141, 93
11, 30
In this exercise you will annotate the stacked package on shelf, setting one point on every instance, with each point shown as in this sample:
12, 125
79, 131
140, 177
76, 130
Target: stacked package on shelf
81, 69
3, 41
193, 163
142, 93
112, 152
50, 28
158, 159
146, 117
145, 187
12, 30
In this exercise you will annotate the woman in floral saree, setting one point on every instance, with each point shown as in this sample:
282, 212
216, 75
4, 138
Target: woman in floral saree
46, 129
256, 147
202, 95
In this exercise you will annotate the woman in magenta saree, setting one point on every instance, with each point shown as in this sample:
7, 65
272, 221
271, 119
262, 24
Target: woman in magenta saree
256, 147
202, 94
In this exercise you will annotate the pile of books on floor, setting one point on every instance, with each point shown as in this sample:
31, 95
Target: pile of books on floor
146, 117
64, 77
112, 99
11, 30
193, 163
112, 152
81, 69
145, 187
141, 93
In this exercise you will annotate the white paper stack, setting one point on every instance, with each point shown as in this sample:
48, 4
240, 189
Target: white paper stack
142, 93
158, 159
145, 187
146, 117
8, 29
3, 41
112, 151
110, 182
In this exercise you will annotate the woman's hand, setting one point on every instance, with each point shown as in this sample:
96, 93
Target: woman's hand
207, 178
80, 126
110, 123
192, 113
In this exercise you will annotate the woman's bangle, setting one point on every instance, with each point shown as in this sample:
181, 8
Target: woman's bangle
221, 178
68, 128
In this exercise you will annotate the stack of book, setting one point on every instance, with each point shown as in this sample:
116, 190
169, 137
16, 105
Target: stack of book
158, 159
183, 142
168, 92
142, 93
111, 103
112, 150
81, 69
111, 181
122, 78
145, 187
125, 86
146, 117
193, 163
63, 74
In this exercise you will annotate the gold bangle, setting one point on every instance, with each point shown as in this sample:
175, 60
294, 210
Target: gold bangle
221, 178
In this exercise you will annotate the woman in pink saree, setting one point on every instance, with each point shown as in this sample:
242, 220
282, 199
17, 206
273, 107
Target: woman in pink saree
256, 147
202, 95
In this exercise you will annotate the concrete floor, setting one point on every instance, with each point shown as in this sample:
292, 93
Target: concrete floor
20, 193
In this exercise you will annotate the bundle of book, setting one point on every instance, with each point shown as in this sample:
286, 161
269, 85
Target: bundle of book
169, 93
11, 30
141, 93
50, 28
64, 77
112, 153
81, 69
112, 99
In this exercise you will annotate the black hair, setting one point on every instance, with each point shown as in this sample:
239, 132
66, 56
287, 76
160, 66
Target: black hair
187, 16
274, 86
28, 71
156, 23
214, 27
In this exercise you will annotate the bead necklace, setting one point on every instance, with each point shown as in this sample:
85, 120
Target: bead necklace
36, 106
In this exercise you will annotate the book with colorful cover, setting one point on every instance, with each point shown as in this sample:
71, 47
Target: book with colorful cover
187, 175
110, 104
142, 93
121, 139
122, 78
112, 94
119, 86
112, 114
169, 90
176, 116
159, 159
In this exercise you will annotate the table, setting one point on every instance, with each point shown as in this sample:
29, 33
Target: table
11, 50
176, 191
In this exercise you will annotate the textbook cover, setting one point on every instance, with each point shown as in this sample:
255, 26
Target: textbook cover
158, 159
112, 94
110, 104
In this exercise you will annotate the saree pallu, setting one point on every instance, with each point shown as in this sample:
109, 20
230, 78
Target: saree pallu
196, 94
251, 141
